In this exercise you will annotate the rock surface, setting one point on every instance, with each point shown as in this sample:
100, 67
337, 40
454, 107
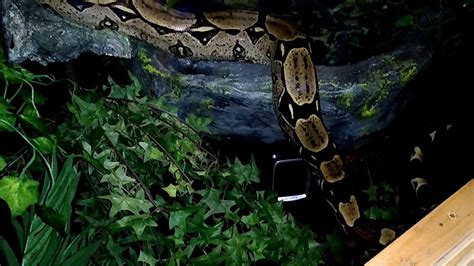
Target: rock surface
357, 99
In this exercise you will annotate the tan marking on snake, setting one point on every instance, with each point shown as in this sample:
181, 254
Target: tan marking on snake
300, 78
350, 211
311, 133
333, 169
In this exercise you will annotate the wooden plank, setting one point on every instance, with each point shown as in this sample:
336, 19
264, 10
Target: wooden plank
443, 237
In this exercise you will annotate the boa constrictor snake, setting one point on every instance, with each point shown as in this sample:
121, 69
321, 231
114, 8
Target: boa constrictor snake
246, 36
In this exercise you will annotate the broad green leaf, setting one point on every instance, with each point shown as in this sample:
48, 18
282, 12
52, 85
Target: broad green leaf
146, 258
138, 223
3, 164
83, 256
52, 218
7, 252
125, 203
178, 218
171, 190
44, 145
18, 193
58, 195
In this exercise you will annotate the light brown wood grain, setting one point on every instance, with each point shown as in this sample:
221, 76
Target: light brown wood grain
443, 237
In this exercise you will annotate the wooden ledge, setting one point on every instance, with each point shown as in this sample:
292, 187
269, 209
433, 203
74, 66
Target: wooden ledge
443, 237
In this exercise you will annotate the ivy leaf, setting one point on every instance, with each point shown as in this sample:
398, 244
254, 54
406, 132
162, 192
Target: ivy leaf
178, 218
257, 249
199, 123
171, 190
215, 204
125, 203
146, 258
161, 104
138, 223
109, 165
376, 213
18, 193
372, 192
44, 145
86, 113
250, 220
118, 178
3, 164
245, 173
151, 153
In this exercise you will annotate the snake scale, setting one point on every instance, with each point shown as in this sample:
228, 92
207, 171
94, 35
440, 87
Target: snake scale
245, 36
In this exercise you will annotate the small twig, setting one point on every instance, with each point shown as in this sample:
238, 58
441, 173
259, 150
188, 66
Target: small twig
169, 156
134, 174
159, 146
158, 110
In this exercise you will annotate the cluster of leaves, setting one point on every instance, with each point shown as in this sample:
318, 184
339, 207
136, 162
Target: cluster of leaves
162, 190
37, 192
19, 114
380, 197
148, 189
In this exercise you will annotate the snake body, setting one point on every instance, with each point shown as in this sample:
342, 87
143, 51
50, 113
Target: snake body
245, 36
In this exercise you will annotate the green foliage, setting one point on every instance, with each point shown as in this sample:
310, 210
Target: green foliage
379, 196
212, 214
43, 231
150, 192
19, 194
50, 227
405, 21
